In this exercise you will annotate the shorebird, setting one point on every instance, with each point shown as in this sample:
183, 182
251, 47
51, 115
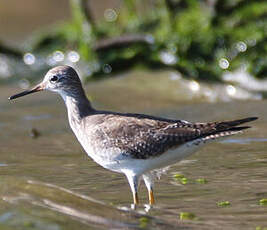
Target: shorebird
132, 144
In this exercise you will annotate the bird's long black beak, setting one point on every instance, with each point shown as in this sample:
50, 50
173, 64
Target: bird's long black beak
37, 88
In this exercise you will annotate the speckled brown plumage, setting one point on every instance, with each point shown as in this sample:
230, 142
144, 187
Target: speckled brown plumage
142, 137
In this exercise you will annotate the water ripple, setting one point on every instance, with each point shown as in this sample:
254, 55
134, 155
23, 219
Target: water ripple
244, 141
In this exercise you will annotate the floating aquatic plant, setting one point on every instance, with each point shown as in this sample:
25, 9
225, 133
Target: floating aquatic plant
223, 203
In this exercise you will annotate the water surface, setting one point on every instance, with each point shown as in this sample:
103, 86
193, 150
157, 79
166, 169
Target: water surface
48, 182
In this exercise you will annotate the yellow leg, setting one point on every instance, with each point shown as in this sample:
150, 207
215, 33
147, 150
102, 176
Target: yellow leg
133, 181
135, 198
151, 197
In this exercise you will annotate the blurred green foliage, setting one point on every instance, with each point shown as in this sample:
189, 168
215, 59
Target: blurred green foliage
200, 38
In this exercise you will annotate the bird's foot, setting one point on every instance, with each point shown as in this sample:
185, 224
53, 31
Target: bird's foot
148, 207
133, 206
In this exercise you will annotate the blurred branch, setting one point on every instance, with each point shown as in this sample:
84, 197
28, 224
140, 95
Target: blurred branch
87, 11
82, 30
10, 51
223, 7
121, 41
176, 6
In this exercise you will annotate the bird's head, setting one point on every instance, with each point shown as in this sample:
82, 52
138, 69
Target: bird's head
61, 79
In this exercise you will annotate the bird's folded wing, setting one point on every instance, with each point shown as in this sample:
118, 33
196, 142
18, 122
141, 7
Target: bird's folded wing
143, 137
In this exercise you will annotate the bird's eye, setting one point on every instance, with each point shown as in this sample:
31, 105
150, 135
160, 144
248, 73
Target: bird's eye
54, 79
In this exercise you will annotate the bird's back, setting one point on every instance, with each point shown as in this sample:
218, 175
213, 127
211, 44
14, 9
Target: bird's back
142, 137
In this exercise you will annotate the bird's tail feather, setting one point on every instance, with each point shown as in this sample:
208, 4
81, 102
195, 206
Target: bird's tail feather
230, 124
227, 128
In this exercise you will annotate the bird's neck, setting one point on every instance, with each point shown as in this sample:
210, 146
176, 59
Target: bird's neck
78, 106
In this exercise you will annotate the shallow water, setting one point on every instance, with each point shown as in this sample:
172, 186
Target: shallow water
48, 182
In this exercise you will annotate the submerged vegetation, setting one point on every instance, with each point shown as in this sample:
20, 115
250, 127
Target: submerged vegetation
200, 39
223, 203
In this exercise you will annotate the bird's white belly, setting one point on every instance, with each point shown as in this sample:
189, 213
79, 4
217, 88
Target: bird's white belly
115, 160
141, 166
